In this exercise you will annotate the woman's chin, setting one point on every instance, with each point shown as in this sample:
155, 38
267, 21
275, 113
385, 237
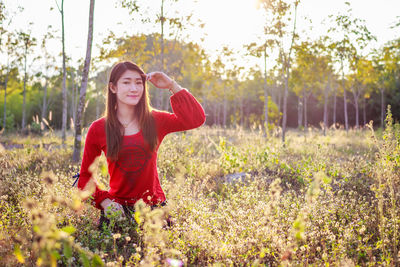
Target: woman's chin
131, 102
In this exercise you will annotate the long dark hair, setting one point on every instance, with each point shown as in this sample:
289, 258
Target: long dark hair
114, 129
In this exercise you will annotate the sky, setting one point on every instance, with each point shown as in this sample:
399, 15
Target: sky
227, 22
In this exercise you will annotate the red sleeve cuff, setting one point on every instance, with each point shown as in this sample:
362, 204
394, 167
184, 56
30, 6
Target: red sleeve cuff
179, 95
100, 195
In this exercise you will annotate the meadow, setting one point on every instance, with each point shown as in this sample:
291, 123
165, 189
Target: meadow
236, 198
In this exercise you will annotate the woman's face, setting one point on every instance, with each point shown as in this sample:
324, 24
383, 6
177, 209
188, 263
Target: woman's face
129, 88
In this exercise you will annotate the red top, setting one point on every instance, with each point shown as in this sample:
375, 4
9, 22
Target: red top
134, 175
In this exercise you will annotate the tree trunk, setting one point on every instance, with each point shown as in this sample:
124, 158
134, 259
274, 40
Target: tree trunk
280, 99
345, 102
241, 112
44, 105
5, 101
225, 108
64, 89
24, 101
284, 119
215, 106
382, 107
305, 96
73, 102
327, 89
217, 113
334, 106
356, 96
280, 91
219, 117
265, 92
77, 89
160, 92
78, 130
364, 112
299, 111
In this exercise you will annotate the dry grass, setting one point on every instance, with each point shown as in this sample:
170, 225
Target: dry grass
318, 200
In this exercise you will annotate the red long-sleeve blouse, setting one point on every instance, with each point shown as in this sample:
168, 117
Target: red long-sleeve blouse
134, 175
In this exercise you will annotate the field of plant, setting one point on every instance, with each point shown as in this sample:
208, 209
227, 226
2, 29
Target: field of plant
322, 200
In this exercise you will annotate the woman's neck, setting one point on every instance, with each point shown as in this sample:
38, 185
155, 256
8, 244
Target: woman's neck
125, 113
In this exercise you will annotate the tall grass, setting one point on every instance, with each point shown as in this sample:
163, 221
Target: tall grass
318, 200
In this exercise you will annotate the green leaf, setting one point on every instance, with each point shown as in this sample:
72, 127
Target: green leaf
69, 229
96, 261
84, 259
56, 255
67, 250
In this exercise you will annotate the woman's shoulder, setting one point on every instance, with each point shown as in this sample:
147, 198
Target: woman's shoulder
157, 114
160, 117
98, 126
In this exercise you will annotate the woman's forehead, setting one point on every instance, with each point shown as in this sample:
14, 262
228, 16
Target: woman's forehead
131, 74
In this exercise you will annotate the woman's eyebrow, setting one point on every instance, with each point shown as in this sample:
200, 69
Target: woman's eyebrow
129, 78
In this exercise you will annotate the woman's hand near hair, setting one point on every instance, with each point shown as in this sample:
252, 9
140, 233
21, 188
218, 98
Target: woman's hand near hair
162, 81
111, 207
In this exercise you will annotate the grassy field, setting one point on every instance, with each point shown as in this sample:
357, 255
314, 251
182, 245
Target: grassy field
321, 200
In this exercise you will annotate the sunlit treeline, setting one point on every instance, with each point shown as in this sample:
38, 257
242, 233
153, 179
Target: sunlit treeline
327, 81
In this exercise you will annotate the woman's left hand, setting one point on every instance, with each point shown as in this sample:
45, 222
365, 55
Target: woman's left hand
160, 80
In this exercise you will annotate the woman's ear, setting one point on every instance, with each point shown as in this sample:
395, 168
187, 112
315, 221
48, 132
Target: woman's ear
112, 88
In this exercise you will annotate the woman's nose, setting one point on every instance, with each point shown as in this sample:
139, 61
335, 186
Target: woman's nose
133, 87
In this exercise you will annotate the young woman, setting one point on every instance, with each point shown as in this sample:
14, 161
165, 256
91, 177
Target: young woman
130, 134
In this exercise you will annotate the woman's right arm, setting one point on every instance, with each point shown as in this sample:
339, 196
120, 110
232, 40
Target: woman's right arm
91, 151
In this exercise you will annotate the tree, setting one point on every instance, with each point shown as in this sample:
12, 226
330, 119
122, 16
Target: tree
354, 37
310, 76
28, 43
100, 80
298, 88
48, 65
280, 13
231, 72
328, 87
78, 130
360, 80
303, 78
258, 51
162, 17
387, 69
326, 77
64, 88
8, 46
329, 51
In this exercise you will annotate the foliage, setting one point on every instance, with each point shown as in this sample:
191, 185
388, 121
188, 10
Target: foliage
319, 200
10, 121
230, 92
